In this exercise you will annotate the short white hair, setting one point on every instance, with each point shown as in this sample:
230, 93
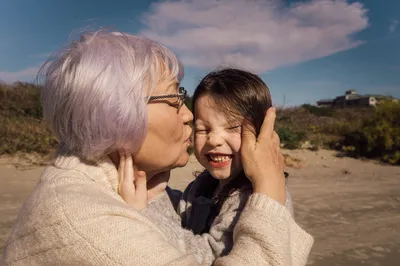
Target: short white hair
94, 91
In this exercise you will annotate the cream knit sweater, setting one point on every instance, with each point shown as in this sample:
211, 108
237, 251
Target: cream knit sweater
76, 217
194, 208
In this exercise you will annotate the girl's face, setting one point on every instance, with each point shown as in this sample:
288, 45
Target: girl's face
217, 140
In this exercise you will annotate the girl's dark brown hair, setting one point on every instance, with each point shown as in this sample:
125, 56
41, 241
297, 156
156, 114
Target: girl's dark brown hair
240, 95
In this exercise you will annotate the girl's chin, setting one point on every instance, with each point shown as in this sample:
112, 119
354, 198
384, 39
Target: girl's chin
218, 175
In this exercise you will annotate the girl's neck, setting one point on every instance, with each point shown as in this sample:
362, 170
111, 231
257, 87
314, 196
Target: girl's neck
221, 184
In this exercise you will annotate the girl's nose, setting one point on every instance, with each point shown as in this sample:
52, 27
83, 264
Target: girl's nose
215, 140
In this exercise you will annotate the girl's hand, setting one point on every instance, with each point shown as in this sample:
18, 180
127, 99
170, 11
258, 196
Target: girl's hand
132, 187
262, 159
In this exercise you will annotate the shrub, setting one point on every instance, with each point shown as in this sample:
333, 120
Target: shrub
188, 102
290, 139
363, 131
21, 99
22, 128
318, 111
379, 137
23, 134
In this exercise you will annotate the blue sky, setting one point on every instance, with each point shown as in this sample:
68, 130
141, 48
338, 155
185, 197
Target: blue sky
304, 50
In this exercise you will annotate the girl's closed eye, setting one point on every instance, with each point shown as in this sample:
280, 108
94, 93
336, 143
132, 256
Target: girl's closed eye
200, 130
236, 128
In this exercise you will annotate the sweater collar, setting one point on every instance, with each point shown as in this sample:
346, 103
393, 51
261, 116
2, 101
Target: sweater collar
101, 170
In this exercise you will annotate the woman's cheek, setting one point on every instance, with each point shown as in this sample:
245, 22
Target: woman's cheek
176, 131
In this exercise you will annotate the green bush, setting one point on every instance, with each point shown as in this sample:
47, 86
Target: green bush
188, 102
21, 99
318, 111
24, 134
364, 131
290, 139
22, 128
379, 136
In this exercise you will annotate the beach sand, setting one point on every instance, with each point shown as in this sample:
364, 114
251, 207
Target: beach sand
351, 207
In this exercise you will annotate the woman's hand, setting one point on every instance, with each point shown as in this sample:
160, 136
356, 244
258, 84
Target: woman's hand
132, 187
262, 159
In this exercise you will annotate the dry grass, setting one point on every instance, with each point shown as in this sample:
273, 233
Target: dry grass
23, 130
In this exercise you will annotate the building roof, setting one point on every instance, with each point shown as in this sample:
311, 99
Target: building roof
354, 97
325, 101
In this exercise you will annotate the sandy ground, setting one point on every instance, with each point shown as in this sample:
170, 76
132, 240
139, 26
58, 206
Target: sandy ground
351, 207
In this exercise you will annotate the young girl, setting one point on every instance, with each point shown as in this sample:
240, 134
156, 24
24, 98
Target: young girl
221, 102
211, 205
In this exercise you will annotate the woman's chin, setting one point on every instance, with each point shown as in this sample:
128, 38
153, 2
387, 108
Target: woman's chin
181, 161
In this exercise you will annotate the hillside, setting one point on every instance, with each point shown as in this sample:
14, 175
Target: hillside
359, 131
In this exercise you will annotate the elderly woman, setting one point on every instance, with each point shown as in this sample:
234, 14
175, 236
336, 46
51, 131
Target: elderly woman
110, 93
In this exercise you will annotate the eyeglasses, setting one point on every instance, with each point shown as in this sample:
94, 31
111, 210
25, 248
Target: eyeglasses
181, 95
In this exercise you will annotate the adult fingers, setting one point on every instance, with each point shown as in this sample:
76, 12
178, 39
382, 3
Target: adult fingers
141, 181
129, 173
267, 127
277, 147
276, 139
121, 170
141, 187
249, 138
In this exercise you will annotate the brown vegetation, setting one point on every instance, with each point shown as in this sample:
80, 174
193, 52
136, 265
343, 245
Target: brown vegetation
372, 132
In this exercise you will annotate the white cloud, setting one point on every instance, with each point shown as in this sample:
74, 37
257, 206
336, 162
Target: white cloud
258, 35
393, 25
28, 74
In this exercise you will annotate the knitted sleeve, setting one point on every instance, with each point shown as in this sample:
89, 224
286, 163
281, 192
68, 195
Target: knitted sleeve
288, 202
195, 209
192, 214
266, 234
205, 247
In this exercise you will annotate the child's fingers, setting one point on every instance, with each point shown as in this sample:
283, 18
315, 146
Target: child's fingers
128, 174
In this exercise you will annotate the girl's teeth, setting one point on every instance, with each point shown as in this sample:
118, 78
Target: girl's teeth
219, 158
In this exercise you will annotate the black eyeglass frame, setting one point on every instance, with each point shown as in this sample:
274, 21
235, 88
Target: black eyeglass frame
181, 95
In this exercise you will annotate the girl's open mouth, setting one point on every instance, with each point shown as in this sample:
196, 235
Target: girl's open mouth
219, 160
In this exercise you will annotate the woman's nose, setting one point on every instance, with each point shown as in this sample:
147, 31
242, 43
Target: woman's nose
215, 140
186, 114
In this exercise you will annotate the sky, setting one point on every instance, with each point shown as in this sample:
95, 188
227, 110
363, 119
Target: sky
304, 50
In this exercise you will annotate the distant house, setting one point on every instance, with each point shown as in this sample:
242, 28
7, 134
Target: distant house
351, 98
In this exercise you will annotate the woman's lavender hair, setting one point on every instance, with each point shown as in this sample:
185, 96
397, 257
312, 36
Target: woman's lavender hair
94, 91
